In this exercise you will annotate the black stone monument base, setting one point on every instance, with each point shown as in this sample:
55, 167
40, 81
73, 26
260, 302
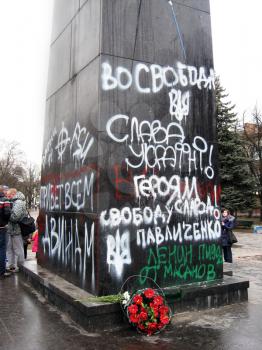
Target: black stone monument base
199, 296
76, 303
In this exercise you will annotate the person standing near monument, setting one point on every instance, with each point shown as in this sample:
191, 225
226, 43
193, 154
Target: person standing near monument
228, 222
5, 212
15, 246
35, 242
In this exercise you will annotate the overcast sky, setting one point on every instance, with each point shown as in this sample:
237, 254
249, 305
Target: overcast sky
236, 26
25, 29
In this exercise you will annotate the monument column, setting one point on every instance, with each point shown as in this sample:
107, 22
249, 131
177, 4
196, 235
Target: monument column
129, 172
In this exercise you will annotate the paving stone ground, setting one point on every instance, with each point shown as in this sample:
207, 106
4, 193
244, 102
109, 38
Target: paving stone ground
28, 322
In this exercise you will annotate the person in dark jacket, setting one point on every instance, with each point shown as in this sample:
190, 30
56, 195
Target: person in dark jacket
228, 223
5, 212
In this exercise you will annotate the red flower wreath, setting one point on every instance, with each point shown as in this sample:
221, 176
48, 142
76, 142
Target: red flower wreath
148, 312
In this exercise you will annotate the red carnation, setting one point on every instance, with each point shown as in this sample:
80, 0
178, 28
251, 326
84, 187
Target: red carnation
164, 319
141, 327
143, 316
152, 326
132, 309
134, 318
142, 309
149, 293
163, 309
155, 309
160, 326
138, 299
158, 300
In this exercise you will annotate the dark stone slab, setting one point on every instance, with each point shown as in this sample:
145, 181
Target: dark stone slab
201, 5
205, 295
91, 315
147, 31
49, 121
88, 91
228, 273
64, 11
72, 300
228, 269
59, 64
82, 2
86, 35
65, 104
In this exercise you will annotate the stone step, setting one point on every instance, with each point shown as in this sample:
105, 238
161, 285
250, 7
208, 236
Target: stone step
91, 315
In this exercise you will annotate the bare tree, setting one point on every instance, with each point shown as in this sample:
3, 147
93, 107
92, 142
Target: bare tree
30, 185
15, 172
12, 163
253, 146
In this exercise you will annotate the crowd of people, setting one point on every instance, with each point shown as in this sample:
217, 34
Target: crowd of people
13, 246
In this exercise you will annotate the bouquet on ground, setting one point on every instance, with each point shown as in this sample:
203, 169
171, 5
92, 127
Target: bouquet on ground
147, 311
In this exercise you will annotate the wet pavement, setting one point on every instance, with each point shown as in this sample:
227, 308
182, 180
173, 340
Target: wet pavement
28, 322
